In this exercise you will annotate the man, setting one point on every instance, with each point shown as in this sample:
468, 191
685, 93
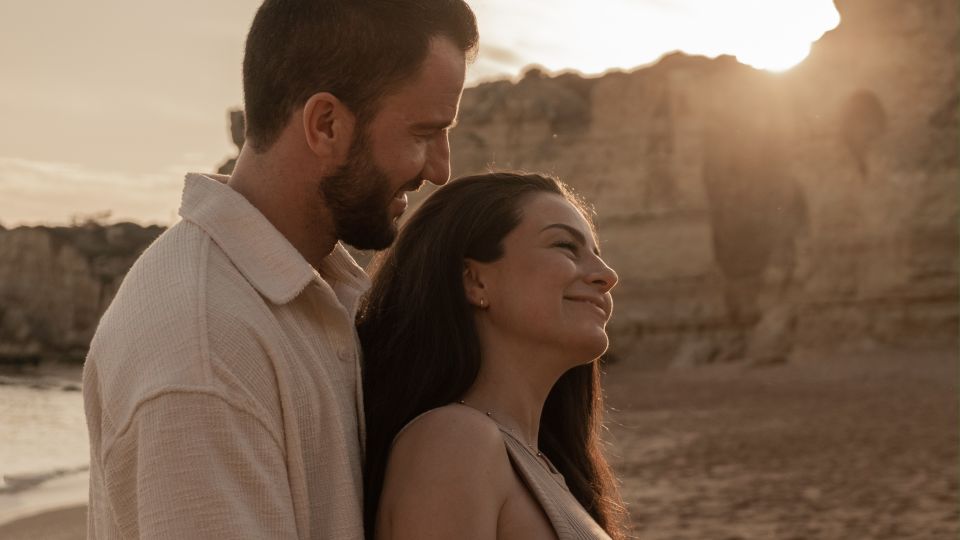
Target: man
222, 388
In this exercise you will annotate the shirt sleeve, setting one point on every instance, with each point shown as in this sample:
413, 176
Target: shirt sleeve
191, 465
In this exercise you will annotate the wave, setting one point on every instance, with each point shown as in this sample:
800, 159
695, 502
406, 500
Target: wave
16, 483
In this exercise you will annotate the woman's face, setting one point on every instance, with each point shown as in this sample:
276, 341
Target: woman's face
550, 288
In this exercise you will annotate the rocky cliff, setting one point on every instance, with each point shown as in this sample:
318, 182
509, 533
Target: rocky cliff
56, 282
750, 215
754, 215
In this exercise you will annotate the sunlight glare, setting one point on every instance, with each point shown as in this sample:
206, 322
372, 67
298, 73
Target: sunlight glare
776, 57
623, 34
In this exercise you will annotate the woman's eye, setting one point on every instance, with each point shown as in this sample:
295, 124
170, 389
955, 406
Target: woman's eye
567, 245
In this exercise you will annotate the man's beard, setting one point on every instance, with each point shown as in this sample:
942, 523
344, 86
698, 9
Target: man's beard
358, 197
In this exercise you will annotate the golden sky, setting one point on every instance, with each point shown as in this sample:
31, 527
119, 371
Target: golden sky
107, 103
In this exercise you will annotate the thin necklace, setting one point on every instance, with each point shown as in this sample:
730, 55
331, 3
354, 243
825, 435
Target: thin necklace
533, 450
513, 432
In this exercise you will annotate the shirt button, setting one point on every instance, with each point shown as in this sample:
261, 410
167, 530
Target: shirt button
344, 353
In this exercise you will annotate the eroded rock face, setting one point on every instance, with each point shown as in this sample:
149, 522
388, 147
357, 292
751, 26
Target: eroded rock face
750, 214
237, 130
878, 159
55, 283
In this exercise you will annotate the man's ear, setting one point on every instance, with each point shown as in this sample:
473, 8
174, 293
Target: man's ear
474, 284
328, 126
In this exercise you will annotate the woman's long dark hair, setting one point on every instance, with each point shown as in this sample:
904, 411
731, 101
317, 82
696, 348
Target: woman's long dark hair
421, 348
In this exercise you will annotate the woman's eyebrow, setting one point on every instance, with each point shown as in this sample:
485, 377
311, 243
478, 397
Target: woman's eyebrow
577, 235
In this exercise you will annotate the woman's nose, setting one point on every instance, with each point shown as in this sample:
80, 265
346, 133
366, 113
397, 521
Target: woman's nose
603, 276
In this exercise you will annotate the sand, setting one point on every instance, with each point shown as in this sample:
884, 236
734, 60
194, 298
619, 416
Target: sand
23, 513
61, 524
830, 446
827, 447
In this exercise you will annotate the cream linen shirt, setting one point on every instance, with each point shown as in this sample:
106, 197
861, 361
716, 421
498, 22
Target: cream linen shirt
222, 388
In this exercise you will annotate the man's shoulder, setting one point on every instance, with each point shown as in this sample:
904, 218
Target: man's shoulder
175, 283
169, 263
177, 303
159, 293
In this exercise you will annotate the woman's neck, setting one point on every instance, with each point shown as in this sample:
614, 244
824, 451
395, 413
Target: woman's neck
511, 388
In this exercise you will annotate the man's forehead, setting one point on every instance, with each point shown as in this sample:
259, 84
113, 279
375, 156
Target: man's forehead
445, 64
418, 114
438, 83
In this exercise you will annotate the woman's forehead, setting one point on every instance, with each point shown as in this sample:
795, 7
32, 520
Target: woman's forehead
545, 209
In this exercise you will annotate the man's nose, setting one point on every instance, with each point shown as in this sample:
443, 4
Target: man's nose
436, 170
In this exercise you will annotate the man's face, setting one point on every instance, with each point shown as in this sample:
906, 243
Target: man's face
403, 145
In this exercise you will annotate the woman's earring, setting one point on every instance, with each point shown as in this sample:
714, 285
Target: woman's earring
483, 303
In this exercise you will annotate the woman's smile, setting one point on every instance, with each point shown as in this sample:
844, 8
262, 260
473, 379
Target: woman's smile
595, 305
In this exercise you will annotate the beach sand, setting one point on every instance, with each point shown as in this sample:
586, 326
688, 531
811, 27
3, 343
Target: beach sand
23, 514
829, 446
826, 447
61, 524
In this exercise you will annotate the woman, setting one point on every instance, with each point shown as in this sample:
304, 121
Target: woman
482, 395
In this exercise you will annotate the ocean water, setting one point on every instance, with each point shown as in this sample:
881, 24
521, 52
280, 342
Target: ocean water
42, 430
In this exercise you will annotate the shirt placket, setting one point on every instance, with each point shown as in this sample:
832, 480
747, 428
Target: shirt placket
342, 337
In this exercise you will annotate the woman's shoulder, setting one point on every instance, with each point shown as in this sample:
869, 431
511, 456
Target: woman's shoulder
449, 444
454, 460
457, 431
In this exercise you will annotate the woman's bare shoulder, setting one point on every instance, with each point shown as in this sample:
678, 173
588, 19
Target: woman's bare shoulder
448, 471
453, 435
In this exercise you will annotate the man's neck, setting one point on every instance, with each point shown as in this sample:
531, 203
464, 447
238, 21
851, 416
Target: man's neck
288, 198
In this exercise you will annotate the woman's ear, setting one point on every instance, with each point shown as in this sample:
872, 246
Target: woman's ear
328, 126
473, 284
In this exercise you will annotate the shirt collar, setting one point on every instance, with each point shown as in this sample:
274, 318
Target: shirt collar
262, 254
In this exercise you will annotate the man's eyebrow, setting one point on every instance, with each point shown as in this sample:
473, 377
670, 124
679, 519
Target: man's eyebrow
577, 235
436, 125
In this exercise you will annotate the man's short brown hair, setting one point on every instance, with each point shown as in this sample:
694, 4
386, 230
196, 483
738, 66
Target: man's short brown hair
355, 49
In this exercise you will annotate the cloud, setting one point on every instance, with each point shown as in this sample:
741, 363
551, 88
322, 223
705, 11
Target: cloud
494, 62
53, 192
500, 55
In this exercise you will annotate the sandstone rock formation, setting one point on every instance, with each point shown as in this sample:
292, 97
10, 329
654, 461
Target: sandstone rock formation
237, 128
55, 283
750, 215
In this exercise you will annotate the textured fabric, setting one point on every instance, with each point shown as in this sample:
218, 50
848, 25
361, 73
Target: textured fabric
569, 519
222, 388
566, 514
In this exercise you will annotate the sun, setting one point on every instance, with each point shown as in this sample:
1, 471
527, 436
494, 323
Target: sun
775, 57
773, 35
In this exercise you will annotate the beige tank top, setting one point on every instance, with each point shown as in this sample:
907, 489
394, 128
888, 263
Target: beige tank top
546, 484
568, 517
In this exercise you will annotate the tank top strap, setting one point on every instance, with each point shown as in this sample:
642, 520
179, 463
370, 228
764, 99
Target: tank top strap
569, 519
